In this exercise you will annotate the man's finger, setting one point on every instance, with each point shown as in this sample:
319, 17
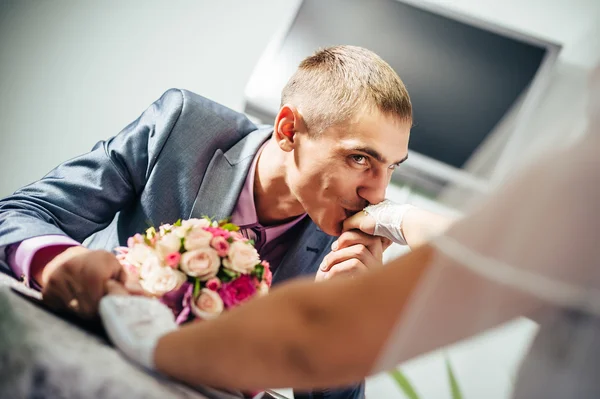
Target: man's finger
357, 251
100, 267
113, 287
347, 267
355, 237
80, 302
134, 287
56, 293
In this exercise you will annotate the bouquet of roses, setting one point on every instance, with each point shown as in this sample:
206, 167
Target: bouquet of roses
197, 267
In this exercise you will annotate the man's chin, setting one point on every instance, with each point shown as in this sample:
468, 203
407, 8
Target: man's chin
332, 229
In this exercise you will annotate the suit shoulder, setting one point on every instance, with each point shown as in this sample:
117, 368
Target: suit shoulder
207, 108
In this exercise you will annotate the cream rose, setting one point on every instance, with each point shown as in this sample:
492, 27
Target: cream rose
168, 244
160, 280
197, 238
242, 257
138, 254
190, 223
202, 263
150, 265
208, 305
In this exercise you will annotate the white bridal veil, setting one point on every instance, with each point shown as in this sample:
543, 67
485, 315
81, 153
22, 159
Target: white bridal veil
532, 248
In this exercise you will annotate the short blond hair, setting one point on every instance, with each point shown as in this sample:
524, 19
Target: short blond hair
335, 83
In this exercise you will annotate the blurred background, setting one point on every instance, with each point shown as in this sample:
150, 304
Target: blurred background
76, 72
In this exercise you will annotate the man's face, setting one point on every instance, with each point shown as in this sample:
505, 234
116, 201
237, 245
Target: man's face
341, 170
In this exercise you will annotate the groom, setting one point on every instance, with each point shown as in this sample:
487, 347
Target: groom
342, 128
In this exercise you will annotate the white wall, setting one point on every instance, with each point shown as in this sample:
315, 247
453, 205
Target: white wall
74, 72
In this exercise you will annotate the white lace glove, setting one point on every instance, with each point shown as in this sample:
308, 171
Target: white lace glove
135, 324
388, 219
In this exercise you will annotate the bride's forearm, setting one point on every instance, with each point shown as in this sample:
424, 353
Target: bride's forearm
419, 225
270, 342
302, 335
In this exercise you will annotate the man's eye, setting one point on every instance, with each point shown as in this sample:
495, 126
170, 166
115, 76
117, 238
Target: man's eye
359, 159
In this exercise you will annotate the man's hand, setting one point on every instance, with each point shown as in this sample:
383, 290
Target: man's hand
353, 252
76, 280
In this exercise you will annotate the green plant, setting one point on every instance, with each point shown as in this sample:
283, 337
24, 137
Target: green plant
409, 391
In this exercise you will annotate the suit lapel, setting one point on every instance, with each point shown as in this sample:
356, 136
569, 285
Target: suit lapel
305, 254
219, 192
225, 177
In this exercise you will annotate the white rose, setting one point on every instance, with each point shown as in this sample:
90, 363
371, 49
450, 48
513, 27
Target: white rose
160, 280
164, 229
200, 223
208, 305
242, 257
168, 244
203, 263
151, 264
197, 238
138, 254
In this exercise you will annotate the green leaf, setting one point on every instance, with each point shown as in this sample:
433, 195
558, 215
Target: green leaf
258, 271
226, 275
196, 288
230, 227
404, 384
454, 388
177, 223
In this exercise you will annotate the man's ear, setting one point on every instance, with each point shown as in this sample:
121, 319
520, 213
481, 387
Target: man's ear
288, 124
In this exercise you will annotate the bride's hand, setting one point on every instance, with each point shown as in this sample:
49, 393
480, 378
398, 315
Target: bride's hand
384, 220
362, 221
134, 323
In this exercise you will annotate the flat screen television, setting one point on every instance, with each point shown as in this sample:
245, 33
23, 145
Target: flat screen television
465, 76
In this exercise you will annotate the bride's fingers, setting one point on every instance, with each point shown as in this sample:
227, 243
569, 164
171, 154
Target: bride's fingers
113, 287
360, 221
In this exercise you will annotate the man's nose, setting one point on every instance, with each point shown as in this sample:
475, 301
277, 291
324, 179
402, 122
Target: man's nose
373, 189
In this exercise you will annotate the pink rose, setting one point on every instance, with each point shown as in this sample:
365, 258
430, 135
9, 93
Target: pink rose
213, 284
202, 263
267, 273
241, 257
237, 291
197, 238
237, 236
208, 305
136, 239
221, 245
172, 259
218, 232
121, 250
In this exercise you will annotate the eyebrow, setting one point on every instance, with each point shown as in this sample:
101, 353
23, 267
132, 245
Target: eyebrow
370, 151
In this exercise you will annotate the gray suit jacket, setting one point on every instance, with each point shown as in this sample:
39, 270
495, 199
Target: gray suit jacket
185, 156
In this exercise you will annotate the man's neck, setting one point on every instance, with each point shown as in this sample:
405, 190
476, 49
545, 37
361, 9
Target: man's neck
274, 201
